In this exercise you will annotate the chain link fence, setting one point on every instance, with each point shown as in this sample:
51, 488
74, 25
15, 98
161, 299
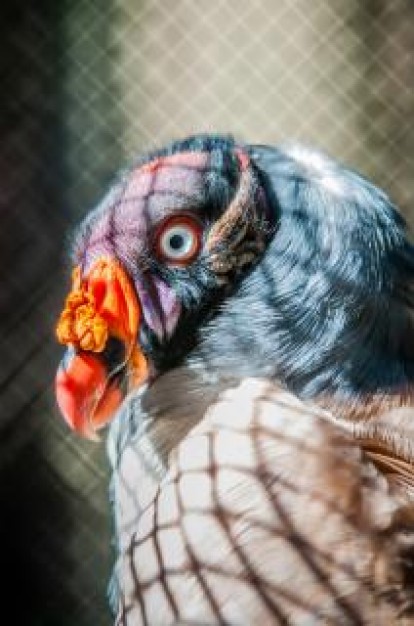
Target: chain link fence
85, 86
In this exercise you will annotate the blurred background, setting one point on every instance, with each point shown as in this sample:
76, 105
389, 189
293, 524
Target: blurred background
85, 85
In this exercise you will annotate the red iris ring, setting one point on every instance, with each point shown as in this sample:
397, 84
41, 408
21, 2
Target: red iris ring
184, 221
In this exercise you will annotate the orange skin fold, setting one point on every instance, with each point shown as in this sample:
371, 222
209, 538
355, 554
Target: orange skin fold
101, 305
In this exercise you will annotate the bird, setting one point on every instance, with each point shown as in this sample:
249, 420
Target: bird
241, 320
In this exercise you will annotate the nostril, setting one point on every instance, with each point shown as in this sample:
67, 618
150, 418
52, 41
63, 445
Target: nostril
114, 354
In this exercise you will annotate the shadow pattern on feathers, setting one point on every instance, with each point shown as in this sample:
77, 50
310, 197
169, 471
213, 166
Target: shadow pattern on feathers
324, 314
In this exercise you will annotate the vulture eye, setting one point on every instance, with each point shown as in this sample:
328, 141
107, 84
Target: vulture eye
178, 240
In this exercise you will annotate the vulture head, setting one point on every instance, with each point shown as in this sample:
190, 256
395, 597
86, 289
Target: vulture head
237, 260
211, 275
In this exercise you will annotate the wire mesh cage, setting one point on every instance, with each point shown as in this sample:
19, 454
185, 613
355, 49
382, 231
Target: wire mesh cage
86, 86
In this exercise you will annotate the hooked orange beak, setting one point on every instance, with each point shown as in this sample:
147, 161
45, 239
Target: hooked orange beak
100, 307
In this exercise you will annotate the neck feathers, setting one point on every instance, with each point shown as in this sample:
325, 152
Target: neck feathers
328, 310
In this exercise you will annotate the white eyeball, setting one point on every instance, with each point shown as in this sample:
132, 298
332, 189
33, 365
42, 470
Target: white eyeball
179, 240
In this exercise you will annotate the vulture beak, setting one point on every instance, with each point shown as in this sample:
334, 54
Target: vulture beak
85, 398
101, 311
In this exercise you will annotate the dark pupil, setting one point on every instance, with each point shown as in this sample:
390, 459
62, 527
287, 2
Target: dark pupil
176, 242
